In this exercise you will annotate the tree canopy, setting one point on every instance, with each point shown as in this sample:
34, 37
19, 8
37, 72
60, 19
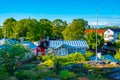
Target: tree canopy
58, 27
45, 28
91, 40
1, 33
34, 30
76, 30
8, 26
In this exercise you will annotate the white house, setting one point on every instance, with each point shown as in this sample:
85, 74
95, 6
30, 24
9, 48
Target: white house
64, 47
111, 34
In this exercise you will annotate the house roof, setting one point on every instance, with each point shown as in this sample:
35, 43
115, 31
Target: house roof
115, 30
2, 41
99, 31
31, 45
105, 57
68, 43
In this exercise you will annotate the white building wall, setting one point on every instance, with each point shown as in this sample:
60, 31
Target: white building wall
108, 35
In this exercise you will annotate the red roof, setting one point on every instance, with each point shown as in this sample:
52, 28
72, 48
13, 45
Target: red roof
99, 31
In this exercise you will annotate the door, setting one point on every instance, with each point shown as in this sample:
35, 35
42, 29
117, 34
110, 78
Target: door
63, 51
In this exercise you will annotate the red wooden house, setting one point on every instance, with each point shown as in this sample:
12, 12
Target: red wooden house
41, 49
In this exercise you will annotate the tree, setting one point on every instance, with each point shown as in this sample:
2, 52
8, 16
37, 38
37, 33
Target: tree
33, 30
76, 30
117, 44
118, 37
1, 33
45, 28
117, 55
10, 56
8, 27
58, 26
20, 29
91, 40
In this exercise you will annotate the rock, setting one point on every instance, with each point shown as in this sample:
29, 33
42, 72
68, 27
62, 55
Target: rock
78, 65
103, 62
68, 67
73, 67
36, 62
117, 77
12, 78
115, 70
118, 63
114, 76
113, 63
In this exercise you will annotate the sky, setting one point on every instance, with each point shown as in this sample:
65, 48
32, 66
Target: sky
108, 11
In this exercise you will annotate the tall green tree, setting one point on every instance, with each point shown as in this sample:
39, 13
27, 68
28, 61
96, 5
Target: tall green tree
91, 40
8, 27
58, 26
1, 33
20, 29
76, 30
45, 28
33, 30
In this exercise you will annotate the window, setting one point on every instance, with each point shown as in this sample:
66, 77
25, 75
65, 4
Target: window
44, 44
105, 35
83, 49
110, 36
74, 49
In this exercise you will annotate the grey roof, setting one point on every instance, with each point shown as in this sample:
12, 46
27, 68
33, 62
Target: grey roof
105, 57
2, 41
68, 43
31, 45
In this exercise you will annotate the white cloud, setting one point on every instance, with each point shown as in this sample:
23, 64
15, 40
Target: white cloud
103, 24
99, 23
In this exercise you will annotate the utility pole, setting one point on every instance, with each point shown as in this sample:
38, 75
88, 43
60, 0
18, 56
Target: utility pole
96, 28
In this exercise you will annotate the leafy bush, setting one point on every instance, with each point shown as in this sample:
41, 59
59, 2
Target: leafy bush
59, 61
117, 55
88, 55
96, 74
21, 74
34, 74
66, 75
57, 64
77, 57
10, 56
47, 56
48, 62
4, 75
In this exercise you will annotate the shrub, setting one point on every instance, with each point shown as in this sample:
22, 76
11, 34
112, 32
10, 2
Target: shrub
35, 74
48, 62
96, 74
21, 74
10, 56
57, 64
117, 55
88, 55
77, 57
47, 56
4, 75
66, 75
